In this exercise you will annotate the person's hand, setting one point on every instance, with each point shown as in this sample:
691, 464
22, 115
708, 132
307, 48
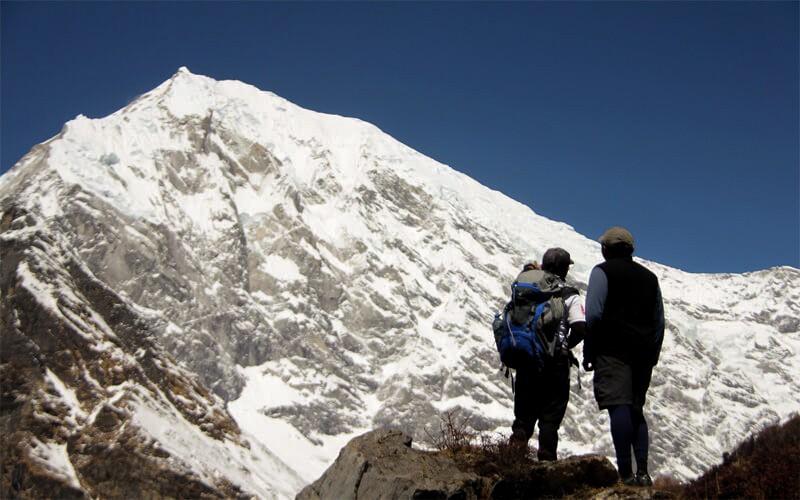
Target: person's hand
588, 365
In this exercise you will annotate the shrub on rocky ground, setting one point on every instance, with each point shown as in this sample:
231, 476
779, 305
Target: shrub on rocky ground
478, 452
764, 466
511, 468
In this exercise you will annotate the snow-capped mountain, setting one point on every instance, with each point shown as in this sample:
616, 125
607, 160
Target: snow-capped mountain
321, 279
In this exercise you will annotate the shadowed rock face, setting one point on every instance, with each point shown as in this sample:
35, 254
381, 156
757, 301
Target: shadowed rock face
75, 364
557, 479
382, 464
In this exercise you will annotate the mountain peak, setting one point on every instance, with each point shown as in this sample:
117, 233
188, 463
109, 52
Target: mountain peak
325, 279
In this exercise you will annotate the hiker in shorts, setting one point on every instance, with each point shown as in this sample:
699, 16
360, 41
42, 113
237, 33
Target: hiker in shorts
543, 396
624, 333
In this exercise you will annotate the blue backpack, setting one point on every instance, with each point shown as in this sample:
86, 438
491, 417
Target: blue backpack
526, 332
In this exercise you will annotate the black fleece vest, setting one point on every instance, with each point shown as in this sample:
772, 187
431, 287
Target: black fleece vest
628, 327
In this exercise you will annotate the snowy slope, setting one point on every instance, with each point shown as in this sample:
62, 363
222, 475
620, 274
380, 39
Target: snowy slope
325, 279
91, 403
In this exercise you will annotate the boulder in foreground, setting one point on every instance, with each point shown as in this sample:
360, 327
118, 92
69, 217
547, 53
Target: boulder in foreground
382, 464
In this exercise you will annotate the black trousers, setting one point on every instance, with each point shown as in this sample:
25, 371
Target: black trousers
543, 397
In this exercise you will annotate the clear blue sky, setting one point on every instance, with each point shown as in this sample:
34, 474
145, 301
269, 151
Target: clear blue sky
678, 120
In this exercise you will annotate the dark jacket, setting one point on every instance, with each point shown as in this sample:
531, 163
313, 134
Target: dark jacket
624, 313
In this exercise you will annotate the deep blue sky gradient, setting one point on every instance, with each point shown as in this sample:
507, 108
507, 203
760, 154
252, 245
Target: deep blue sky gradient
678, 120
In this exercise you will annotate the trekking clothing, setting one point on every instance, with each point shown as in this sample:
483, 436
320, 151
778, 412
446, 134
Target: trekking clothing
575, 313
624, 312
644, 479
557, 261
629, 429
617, 236
624, 335
619, 383
542, 396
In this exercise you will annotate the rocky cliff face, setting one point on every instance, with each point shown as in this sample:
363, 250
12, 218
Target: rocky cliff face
92, 405
321, 280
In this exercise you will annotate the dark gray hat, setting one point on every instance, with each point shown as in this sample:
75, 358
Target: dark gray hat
556, 258
617, 235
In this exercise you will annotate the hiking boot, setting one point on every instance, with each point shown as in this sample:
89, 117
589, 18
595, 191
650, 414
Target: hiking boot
518, 442
546, 455
518, 437
644, 479
629, 480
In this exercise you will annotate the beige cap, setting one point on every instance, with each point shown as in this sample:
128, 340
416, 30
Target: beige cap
616, 235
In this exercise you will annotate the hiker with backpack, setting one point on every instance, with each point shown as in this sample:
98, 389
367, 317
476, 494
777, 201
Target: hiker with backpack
624, 334
544, 320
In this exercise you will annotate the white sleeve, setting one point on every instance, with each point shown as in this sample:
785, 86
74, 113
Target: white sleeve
575, 309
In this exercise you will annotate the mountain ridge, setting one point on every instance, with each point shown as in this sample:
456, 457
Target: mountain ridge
276, 250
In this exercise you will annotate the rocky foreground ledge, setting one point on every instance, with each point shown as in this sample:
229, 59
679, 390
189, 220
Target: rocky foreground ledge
381, 464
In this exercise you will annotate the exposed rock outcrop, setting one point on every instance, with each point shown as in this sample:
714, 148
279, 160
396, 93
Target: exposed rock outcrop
382, 464
557, 479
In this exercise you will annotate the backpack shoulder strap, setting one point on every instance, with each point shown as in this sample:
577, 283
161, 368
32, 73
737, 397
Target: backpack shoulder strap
569, 291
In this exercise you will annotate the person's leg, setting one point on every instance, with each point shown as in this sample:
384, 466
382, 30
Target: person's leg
525, 411
555, 382
641, 439
641, 433
614, 391
622, 435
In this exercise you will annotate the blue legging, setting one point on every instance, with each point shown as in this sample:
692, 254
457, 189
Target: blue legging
629, 430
